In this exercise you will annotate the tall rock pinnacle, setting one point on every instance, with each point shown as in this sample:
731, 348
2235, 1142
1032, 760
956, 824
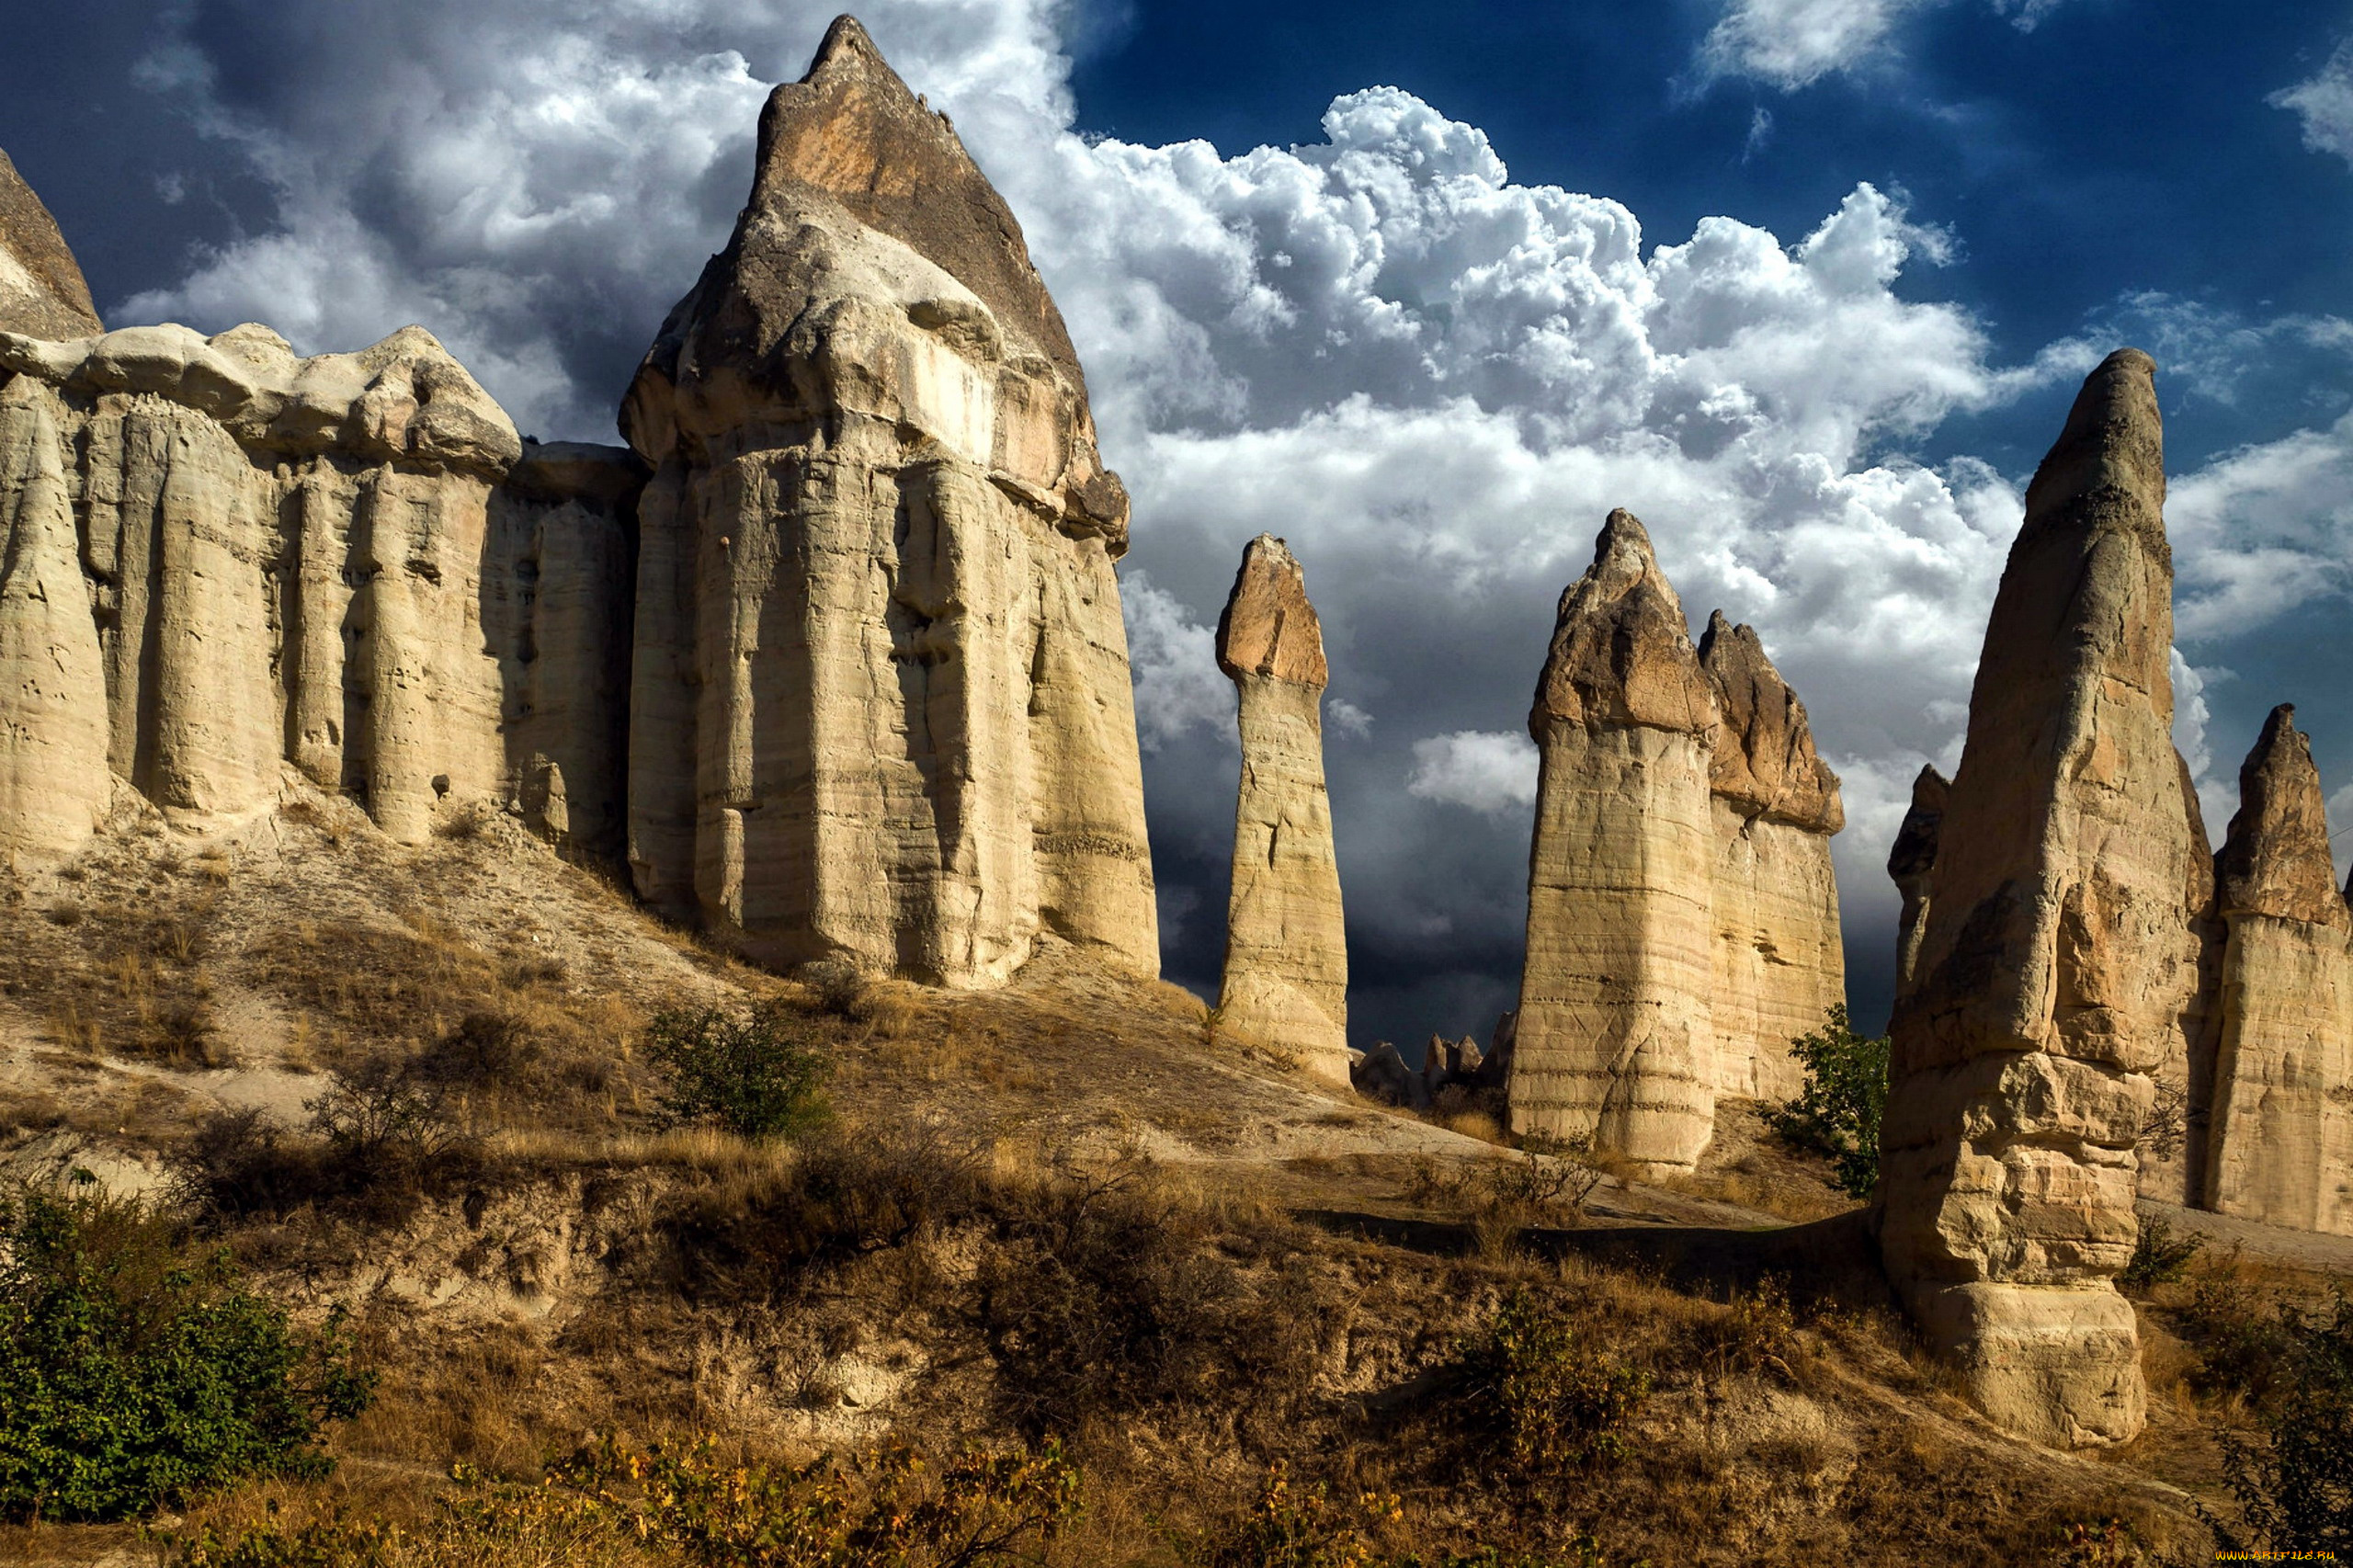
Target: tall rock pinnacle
1286, 946
876, 605
2279, 1141
1614, 1039
2056, 959
1780, 963
42, 290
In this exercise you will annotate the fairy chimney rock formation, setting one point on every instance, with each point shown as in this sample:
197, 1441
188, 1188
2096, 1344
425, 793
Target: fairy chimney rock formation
1614, 1039
1909, 863
2280, 1142
2056, 959
1779, 964
1285, 950
881, 704
43, 293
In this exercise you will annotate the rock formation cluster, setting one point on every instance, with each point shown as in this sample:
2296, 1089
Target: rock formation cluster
2054, 961
835, 653
1683, 919
881, 708
1286, 948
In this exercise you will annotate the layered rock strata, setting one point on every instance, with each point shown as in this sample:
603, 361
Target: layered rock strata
2055, 960
1779, 964
223, 558
1614, 1040
881, 700
43, 293
1286, 948
1909, 862
2279, 1129
1683, 915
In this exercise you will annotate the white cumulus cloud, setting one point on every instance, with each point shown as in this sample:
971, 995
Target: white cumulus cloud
1487, 770
1794, 43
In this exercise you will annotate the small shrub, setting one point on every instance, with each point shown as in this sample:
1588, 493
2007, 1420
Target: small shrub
2246, 1345
135, 1371
1758, 1330
2294, 1485
1302, 1526
485, 1050
1845, 1093
1552, 1404
2159, 1256
758, 1076
378, 1141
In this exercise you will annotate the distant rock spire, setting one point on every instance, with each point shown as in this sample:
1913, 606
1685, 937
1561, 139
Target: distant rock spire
2275, 859
1286, 945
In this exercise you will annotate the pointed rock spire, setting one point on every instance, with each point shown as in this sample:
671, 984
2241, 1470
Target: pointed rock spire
2275, 858
1910, 862
43, 293
2057, 961
1621, 652
1764, 761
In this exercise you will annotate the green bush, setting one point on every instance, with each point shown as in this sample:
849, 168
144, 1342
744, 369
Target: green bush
759, 1076
1845, 1093
1547, 1401
2295, 1485
2159, 1256
136, 1371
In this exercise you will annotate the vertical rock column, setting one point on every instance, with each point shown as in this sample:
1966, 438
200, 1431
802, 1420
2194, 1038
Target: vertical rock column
1614, 1039
53, 779
2056, 957
876, 621
2280, 1144
1909, 863
1285, 950
1779, 962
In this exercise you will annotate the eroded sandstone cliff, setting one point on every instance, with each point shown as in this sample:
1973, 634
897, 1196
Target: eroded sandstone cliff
232, 558
1286, 979
880, 701
1910, 861
2055, 960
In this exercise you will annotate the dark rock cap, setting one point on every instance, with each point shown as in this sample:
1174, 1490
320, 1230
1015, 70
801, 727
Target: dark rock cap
1268, 628
1621, 652
2275, 858
52, 300
1915, 842
1764, 761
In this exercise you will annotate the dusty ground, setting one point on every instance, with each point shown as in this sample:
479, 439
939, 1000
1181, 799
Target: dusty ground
163, 976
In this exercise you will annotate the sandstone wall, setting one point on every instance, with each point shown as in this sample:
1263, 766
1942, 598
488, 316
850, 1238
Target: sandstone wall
1615, 1040
2056, 961
240, 559
1286, 980
880, 690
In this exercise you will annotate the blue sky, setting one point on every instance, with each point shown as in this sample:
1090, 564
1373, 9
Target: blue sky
1807, 284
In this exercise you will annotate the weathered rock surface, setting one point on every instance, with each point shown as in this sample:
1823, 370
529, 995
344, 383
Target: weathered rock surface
1286, 948
881, 708
2279, 1129
1780, 963
1614, 1039
1910, 861
2055, 960
233, 559
43, 293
